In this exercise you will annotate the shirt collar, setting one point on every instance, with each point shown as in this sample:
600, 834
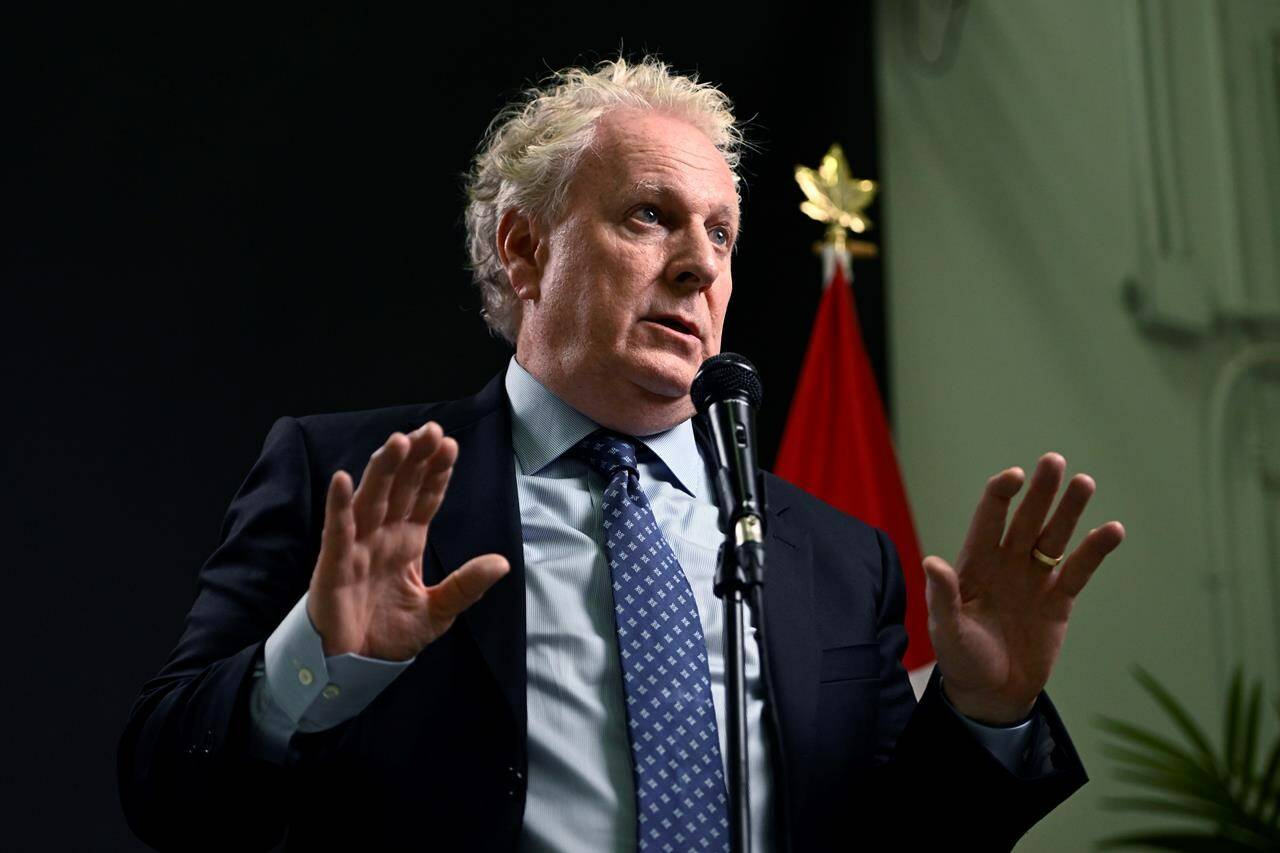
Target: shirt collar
544, 427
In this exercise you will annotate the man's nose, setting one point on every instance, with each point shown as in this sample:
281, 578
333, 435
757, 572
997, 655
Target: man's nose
696, 262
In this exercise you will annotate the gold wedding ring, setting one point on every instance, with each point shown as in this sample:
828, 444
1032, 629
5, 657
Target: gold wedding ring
1045, 558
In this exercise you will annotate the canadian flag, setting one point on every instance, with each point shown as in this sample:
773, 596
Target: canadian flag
837, 446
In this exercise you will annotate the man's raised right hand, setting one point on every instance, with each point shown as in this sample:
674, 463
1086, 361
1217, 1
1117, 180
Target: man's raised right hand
367, 594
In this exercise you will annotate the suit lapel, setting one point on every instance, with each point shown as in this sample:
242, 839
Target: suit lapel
481, 514
793, 647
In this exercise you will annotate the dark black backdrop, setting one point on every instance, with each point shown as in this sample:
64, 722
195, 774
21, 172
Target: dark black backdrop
214, 220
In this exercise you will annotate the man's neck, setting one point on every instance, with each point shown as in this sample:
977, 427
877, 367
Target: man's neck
614, 402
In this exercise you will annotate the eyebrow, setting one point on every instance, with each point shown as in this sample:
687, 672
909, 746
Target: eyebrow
646, 187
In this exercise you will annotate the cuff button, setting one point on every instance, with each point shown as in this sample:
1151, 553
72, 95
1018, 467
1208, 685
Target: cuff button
305, 677
331, 692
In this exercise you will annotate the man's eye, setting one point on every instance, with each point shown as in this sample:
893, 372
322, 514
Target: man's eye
721, 236
648, 214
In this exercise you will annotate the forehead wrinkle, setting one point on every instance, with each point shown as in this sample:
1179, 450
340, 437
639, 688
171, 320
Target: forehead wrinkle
663, 159
635, 152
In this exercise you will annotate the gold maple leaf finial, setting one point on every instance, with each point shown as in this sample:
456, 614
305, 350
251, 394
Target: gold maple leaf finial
836, 197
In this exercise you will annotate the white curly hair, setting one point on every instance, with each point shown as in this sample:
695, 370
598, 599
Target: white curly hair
532, 147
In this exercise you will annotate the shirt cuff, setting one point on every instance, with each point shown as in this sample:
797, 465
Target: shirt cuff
315, 692
1007, 744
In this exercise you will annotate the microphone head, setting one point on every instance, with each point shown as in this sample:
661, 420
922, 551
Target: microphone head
726, 376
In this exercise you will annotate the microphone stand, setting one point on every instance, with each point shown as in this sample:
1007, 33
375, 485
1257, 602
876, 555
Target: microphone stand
739, 579
738, 565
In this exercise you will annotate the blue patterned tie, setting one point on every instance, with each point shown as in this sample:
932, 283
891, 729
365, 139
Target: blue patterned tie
681, 803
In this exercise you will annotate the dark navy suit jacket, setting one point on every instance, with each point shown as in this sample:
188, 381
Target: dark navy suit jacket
438, 760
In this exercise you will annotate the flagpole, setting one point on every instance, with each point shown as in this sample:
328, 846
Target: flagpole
837, 413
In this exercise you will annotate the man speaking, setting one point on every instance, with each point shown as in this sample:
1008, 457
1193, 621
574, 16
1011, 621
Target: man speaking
502, 635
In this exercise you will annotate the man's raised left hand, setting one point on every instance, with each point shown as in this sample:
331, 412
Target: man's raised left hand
998, 618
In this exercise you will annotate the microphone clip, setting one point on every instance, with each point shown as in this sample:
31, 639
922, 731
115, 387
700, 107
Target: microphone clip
740, 565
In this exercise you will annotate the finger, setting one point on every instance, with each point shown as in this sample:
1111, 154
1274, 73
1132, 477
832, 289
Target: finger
987, 525
465, 585
371, 498
941, 591
1028, 518
1057, 533
435, 481
422, 443
1088, 555
338, 535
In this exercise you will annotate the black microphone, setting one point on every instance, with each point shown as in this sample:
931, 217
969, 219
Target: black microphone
726, 392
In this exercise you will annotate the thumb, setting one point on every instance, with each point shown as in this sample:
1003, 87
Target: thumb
942, 590
465, 585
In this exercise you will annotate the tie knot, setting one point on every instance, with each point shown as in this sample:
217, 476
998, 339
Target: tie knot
606, 452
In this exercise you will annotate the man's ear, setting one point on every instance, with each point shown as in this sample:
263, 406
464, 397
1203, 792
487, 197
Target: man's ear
521, 252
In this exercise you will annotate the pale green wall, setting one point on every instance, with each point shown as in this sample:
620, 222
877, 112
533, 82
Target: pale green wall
1010, 221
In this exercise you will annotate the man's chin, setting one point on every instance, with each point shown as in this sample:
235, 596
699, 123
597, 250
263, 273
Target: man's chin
665, 377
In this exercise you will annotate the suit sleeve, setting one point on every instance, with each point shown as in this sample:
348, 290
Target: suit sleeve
188, 777
932, 779
300, 689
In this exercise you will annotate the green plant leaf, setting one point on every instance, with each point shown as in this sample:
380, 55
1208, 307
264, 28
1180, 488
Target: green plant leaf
1162, 755
1242, 809
1256, 837
1213, 811
1249, 741
1188, 842
1180, 717
1268, 798
1178, 784
1267, 804
1207, 786
1150, 740
1152, 760
1267, 781
1231, 725
1194, 793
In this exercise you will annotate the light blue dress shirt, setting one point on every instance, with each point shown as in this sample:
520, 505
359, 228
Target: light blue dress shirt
580, 788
